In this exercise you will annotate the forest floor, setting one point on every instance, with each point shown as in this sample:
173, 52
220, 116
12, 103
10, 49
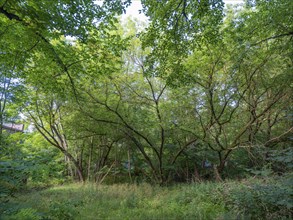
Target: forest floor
124, 201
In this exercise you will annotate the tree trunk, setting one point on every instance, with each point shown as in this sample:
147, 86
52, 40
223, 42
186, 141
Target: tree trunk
196, 176
129, 165
217, 174
90, 160
75, 162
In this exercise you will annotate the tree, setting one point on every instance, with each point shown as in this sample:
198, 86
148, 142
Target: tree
47, 116
176, 28
240, 90
43, 57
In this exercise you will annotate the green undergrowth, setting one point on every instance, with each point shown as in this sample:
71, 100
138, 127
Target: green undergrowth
228, 200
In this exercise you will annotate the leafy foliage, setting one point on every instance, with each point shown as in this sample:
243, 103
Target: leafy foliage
268, 199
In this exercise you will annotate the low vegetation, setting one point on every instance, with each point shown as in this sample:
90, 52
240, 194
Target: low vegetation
258, 198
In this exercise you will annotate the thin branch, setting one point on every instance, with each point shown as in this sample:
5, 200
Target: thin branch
275, 37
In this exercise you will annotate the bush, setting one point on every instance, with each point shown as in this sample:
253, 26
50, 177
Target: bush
13, 176
264, 200
63, 210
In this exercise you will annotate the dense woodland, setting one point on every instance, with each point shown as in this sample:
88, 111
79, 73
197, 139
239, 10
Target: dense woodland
200, 91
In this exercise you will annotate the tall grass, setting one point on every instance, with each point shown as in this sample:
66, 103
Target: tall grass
201, 201
249, 199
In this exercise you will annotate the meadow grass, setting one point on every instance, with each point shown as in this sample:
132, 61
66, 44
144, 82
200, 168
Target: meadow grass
251, 198
122, 201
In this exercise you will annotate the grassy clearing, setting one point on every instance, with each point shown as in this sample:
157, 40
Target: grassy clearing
249, 199
201, 201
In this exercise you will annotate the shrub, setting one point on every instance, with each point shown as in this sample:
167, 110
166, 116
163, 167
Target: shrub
62, 210
264, 200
